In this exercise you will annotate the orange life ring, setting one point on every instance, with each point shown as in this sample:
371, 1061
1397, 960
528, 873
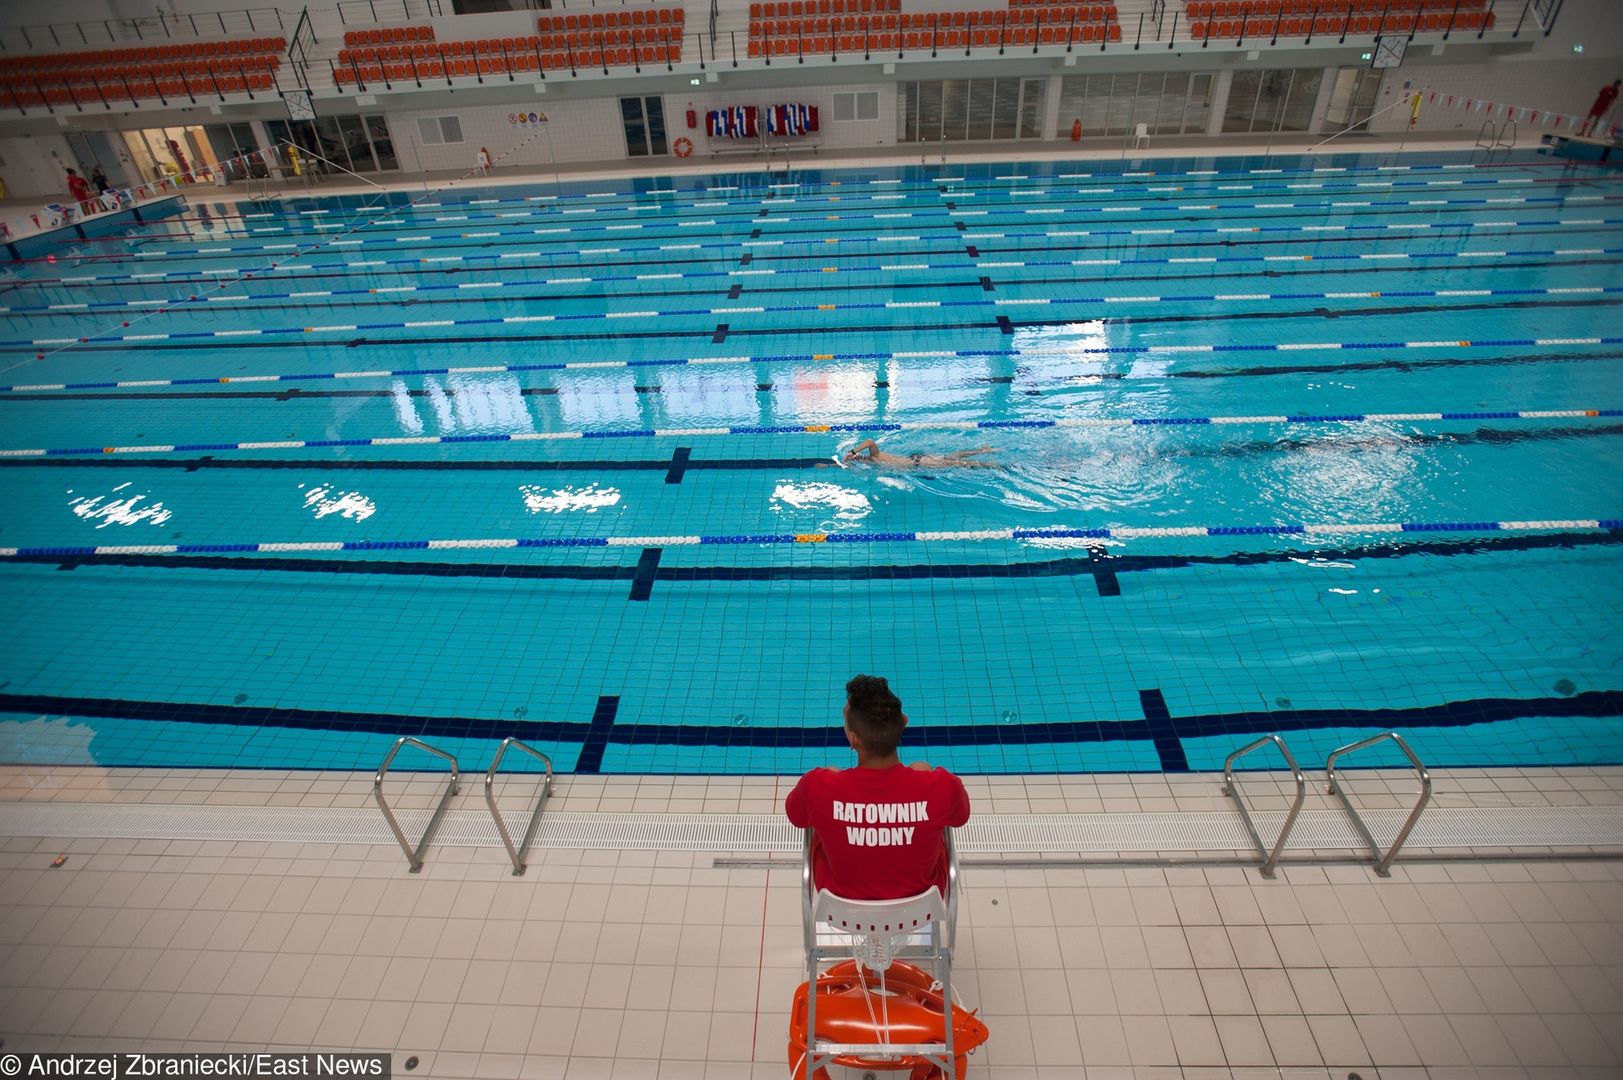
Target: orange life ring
683, 147
916, 1010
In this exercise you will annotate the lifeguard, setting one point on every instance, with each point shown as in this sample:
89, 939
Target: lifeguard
877, 828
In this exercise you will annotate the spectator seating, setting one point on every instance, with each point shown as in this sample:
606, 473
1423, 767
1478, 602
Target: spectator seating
621, 37
1021, 23
1297, 18
387, 35
238, 65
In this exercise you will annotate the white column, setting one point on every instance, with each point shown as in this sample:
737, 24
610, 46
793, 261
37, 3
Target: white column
1220, 101
1051, 121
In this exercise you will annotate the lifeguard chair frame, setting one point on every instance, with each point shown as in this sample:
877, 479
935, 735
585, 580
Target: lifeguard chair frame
873, 933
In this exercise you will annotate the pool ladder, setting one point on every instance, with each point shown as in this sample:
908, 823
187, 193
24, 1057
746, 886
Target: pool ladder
1270, 856
414, 855
1495, 140
1231, 788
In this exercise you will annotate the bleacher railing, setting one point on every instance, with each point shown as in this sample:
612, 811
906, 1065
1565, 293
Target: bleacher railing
156, 28
366, 12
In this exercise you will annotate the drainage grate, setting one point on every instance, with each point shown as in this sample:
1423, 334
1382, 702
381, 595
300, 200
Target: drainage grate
1439, 828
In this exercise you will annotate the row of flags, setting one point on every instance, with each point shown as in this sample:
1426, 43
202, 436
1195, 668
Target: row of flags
1494, 110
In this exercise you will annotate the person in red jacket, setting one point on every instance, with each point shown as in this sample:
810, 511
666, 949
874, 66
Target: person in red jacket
1603, 104
79, 189
877, 828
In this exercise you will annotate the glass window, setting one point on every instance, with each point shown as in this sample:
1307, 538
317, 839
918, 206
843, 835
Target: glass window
382, 145
435, 130
858, 105
654, 109
1034, 94
1278, 100
977, 109
636, 130
954, 108
353, 134
979, 119
929, 111
1197, 112
1304, 93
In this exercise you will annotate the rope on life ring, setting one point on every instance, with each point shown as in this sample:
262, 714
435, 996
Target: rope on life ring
683, 147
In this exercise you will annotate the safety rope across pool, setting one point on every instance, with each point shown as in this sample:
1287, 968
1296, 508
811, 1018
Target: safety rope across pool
787, 358
916, 537
318, 269
184, 304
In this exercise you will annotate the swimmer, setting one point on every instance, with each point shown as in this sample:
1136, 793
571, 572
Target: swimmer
869, 450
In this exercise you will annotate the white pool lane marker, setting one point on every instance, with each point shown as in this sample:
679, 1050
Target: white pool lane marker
963, 536
714, 361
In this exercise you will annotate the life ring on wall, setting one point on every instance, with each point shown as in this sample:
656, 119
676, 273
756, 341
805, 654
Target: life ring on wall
682, 147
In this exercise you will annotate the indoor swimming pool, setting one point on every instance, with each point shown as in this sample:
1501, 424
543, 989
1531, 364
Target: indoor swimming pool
1320, 446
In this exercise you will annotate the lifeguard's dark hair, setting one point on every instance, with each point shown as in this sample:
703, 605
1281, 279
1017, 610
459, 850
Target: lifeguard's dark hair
875, 714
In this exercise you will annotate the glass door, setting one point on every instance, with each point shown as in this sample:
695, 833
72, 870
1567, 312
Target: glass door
644, 122
1352, 98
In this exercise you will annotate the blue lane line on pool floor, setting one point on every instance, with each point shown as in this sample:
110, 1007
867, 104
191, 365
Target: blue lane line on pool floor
1163, 732
605, 728
1104, 566
680, 457
598, 734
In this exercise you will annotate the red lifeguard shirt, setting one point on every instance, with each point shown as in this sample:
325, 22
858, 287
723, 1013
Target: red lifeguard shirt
878, 830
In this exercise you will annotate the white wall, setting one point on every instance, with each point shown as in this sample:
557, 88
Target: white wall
579, 131
1549, 75
591, 130
1565, 86
831, 134
37, 167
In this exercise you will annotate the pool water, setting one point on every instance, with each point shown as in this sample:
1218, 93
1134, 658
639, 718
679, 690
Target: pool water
1318, 446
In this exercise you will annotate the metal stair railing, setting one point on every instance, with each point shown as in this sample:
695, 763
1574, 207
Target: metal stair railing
1270, 858
1383, 863
516, 854
414, 856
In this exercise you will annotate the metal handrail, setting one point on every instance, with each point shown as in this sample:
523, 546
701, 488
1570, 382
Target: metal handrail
1270, 858
414, 857
158, 27
1383, 863
516, 854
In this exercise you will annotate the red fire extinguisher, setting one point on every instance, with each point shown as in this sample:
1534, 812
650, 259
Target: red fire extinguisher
693, 119
1076, 130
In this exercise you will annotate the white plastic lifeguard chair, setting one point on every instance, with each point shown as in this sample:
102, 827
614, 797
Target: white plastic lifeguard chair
921, 930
